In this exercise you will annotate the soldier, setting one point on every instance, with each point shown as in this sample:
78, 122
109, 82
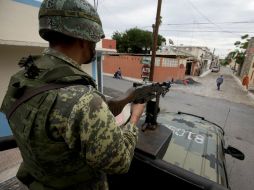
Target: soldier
67, 136
246, 81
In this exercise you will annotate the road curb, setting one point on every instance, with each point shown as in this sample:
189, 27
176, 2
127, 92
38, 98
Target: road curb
125, 78
205, 73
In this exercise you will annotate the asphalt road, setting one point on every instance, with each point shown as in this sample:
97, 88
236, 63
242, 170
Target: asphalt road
230, 108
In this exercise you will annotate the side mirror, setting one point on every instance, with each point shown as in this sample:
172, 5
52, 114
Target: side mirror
234, 153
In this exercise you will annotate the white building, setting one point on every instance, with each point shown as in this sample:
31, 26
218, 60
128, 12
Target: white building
198, 57
19, 37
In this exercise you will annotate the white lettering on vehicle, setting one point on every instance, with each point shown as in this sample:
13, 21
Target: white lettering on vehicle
189, 134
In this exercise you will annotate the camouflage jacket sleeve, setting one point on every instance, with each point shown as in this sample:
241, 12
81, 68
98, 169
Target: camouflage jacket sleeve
104, 145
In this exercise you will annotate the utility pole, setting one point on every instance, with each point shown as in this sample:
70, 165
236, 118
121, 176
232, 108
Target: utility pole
95, 2
155, 38
213, 58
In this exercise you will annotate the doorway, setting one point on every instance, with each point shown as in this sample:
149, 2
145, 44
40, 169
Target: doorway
188, 68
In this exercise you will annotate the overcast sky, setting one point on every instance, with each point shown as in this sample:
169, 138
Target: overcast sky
189, 22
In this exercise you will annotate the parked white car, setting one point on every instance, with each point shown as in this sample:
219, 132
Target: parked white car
215, 69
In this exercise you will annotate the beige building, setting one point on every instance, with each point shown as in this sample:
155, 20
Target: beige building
202, 54
19, 37
199, 58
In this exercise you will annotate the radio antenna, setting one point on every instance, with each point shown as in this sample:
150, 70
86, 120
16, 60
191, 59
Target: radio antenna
95, 2
226, 119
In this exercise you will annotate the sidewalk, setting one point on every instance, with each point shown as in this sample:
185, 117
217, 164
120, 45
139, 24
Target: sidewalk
250, 92
231, 89
9, 163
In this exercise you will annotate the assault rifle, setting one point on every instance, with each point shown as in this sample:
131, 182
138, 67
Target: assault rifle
142, 93
139, 93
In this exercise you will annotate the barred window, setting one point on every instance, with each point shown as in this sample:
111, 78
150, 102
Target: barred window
165, 62
182, 61
157, 61
174, 63
169, 62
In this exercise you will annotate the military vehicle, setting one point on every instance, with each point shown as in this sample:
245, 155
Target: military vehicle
183, 151
178, 150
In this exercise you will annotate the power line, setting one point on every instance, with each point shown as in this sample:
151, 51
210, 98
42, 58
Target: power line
203, 23
218, 31
207, 23
206, 16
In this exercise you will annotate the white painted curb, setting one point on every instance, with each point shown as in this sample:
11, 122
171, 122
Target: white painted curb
205, 73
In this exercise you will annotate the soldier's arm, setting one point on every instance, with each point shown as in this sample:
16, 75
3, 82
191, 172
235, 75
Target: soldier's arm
104, 145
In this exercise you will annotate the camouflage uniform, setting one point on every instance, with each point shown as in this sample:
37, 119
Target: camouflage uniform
78, 141
68, 137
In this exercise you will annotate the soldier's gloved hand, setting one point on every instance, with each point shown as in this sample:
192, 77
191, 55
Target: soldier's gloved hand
136, 112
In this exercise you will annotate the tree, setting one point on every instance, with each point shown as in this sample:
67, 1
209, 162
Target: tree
135, 40
239, 53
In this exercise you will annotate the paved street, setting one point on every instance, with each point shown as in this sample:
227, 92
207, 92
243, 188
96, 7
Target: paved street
232, 108
230, 89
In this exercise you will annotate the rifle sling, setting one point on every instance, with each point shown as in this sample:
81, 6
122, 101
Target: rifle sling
33, 92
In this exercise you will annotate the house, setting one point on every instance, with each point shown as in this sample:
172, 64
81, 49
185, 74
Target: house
166, 68
192, 66
200, 58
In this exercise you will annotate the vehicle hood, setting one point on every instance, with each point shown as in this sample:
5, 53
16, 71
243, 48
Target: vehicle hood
196, 145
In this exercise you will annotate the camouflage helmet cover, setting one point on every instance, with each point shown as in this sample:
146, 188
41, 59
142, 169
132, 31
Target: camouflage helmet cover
75, 18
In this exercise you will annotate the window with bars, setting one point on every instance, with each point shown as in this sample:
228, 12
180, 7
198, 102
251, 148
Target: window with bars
169, 62
157, 61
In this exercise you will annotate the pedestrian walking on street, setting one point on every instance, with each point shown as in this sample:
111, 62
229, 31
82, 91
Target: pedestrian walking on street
219, 81
246, 81
67, 136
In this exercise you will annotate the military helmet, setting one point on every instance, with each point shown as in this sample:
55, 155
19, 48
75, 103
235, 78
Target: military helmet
75, 18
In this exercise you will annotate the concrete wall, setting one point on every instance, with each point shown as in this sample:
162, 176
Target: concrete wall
248, 65
19, 23
131, 67
251, 74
